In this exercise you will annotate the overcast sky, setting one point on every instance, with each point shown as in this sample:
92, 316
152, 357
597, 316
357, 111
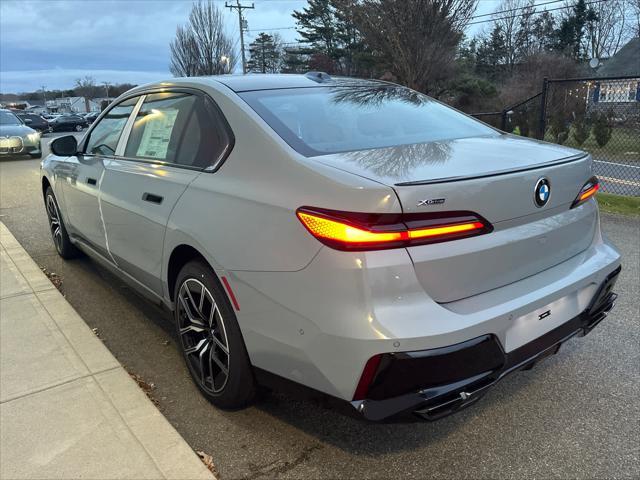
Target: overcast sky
53, 42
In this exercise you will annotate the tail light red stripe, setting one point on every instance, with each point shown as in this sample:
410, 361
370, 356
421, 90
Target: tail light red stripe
359, 231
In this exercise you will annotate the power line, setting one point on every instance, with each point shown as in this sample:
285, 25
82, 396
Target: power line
270, 29
532, 13
473, 17
516, 9
535, 12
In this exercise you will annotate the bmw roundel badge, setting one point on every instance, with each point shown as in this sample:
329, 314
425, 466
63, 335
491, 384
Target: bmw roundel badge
542, 192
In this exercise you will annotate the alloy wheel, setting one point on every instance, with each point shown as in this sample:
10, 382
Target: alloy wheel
54, 222
203, 335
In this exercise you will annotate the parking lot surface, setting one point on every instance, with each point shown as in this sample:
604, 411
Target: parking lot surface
575, 415
618, 177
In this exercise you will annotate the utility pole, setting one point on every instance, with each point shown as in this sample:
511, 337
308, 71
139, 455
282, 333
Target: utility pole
106, 86
243, 25
44, 94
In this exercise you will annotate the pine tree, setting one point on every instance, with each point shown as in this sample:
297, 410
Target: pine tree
491, 53
572, 30
318, 27
265, 54
295, 61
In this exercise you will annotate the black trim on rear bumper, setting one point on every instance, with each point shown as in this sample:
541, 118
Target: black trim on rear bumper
438, 382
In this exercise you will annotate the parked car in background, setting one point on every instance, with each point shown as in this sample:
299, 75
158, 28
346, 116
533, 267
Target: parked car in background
69, 122
34, 121
16, 138
91, 117
351, 235
51, 116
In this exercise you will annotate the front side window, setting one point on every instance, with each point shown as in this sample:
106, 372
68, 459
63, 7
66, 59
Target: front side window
104, 138
178, 128
324, 120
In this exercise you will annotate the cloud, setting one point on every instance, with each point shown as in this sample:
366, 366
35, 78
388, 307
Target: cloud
44, 42
53, 42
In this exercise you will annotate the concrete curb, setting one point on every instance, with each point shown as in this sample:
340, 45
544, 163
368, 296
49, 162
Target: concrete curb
68, 409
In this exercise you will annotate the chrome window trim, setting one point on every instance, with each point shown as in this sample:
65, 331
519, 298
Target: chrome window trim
215, 165
148, 161
124, 136
82, 144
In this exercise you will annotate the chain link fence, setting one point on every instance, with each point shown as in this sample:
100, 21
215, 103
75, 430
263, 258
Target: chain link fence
598, 115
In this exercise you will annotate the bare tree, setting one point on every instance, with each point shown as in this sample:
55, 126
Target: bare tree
416, 38
606, 33
86, 87
202, 46
511, 25
634, 14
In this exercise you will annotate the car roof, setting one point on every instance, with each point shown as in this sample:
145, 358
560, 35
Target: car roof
261, 81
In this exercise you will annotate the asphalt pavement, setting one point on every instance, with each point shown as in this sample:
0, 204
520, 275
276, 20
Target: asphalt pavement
575, 415
618, 178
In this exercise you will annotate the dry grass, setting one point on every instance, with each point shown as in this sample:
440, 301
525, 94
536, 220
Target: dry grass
54, 278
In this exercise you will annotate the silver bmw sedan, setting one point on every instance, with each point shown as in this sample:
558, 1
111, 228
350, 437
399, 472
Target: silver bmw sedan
16, 138
351, 236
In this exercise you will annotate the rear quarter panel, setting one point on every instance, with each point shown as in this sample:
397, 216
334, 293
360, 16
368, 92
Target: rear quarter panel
244, 214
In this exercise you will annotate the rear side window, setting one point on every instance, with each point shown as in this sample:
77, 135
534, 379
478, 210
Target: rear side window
104, 138
179, 128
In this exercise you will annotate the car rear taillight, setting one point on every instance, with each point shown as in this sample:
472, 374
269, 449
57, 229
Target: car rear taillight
586, 192
362, 231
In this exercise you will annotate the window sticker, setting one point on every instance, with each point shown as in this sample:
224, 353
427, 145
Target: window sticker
157, 133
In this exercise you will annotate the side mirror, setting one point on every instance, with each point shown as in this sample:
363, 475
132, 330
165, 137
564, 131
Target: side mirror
64, 146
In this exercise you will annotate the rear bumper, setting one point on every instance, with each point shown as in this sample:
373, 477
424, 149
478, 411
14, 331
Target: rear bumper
444, 380
321, 326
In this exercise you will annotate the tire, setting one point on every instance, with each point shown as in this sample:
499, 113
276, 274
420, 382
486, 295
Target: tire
59, 234
203, 338
78, 128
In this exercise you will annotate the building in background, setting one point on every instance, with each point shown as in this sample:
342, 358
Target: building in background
619, 89
72, 105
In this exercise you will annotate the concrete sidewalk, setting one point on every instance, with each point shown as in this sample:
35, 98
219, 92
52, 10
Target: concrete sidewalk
67, 407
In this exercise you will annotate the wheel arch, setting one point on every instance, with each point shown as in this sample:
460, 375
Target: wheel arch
180, 256
45, 184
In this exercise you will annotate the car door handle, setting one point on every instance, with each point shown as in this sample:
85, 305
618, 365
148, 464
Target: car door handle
92, 181
150, 197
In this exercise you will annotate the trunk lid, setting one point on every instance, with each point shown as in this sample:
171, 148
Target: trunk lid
494, 177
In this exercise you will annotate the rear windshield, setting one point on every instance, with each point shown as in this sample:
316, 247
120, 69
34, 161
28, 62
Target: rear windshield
324, 120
